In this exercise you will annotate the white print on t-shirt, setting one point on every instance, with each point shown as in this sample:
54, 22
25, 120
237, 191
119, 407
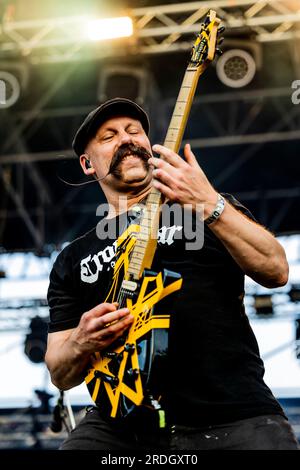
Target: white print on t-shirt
166, 234
92, 265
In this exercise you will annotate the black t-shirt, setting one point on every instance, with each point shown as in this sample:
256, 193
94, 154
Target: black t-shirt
216, 373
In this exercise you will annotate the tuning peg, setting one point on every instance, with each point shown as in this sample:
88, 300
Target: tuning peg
220, 40
221, 29
219, 52
207, 20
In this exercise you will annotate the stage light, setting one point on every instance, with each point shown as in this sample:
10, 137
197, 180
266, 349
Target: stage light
36, 342
133, 81
263, 304
109, 28
14, 78
2, 92
236, 68
10, 89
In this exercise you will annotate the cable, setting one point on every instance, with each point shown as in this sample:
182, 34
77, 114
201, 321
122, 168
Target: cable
94, 180
122, 151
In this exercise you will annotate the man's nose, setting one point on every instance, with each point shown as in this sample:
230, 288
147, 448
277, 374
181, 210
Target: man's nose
125, 138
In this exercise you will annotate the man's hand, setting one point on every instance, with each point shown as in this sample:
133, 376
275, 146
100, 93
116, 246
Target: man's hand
182, 181
69, 351
100, 326
253, 248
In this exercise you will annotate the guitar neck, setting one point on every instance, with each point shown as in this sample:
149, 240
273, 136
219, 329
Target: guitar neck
182, 108
145, 246
187, 91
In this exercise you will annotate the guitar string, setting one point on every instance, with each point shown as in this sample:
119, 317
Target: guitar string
129, 221
121, 299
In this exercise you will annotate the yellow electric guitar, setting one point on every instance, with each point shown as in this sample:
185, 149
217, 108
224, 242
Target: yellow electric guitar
132, 371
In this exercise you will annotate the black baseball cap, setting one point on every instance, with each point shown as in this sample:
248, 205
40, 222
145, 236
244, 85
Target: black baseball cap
110, 108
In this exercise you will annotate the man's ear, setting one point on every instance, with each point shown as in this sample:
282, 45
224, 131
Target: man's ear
86, 165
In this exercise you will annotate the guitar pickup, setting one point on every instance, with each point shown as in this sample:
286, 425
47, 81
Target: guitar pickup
129, 285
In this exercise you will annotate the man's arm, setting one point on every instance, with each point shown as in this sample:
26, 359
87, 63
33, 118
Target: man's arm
255, 250
69, 351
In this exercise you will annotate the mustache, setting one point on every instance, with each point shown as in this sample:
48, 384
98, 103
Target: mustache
125, 150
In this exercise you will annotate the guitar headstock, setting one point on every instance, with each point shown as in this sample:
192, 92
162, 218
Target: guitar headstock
205, 46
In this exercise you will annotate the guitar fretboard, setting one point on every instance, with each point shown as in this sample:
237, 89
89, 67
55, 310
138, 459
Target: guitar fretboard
182, 109
144, 249
145, 246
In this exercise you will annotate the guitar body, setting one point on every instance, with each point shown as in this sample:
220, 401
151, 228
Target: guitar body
135, 366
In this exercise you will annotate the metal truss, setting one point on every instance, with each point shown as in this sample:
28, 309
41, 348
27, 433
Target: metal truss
235, 127
285, 127
284, 199
158, 29
20, 129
